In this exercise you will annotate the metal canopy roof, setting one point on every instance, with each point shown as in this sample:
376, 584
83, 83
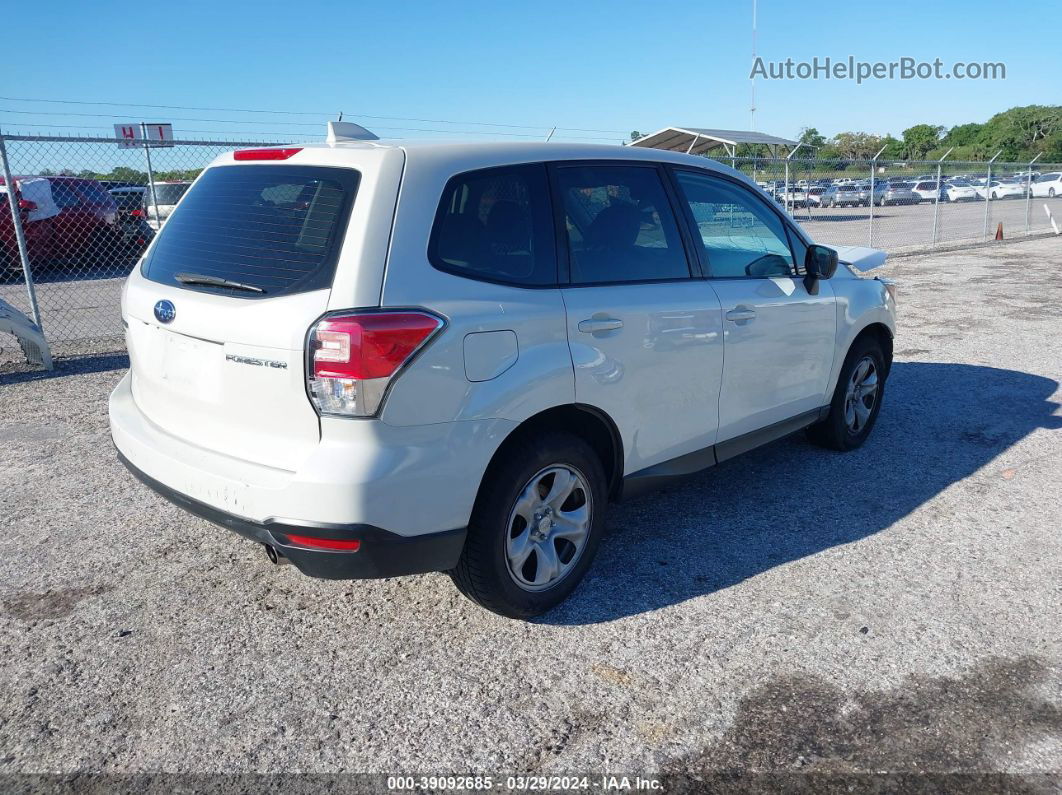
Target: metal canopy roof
698, 140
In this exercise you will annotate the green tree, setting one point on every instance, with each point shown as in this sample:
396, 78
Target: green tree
1022, 132
856, 145
964, 134
812, 139
893, 148
921, 138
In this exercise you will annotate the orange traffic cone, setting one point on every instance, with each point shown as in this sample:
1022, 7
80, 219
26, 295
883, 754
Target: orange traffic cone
999, 231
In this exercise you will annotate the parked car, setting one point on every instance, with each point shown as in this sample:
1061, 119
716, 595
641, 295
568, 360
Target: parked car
927, 190
80, 229
794, 197
814, 196
1048, 184
432, 365
36, 208
894, 193
1001, 189
136, 232
847, 195
165, 196
958, 190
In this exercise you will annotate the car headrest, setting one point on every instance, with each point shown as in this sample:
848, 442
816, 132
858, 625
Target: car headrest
616, 226
508, 227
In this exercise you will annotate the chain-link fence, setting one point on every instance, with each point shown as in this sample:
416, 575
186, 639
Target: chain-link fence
914, 205
86, 208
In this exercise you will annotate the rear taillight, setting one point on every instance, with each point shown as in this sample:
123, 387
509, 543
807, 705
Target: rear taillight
352, 358
138, 213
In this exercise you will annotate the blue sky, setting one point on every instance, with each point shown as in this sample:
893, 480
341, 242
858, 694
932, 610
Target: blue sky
601, 66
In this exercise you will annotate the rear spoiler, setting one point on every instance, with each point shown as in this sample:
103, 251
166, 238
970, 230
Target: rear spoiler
862, 258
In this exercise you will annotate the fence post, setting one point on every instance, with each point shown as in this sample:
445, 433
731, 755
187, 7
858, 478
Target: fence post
785, 192
787, 157
988, 189
936, 200
873, 170
151, 175
1028, 195
20, 236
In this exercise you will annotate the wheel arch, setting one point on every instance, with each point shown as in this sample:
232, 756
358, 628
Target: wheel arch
589, 423
882, 334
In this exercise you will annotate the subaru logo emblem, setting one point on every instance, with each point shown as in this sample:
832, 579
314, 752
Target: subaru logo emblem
165, 311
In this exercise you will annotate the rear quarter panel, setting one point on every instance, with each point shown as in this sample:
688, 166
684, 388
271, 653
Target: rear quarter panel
436, 387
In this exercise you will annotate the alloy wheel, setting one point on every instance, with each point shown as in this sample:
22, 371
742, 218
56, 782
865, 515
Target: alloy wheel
548, 527
861, 395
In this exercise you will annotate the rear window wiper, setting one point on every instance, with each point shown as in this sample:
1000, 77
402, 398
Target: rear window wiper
215, 281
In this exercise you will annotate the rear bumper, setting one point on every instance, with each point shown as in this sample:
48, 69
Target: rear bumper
381, 553
410, 480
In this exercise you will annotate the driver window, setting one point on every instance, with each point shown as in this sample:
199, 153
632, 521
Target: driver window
741, 236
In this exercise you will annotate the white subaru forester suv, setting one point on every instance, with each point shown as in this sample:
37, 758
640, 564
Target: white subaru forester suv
385, 359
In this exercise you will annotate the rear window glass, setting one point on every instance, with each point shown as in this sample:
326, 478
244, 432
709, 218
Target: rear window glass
168, 193
274, 228
93, 191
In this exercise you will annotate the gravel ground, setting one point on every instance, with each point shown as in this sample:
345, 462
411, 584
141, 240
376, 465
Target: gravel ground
793, 612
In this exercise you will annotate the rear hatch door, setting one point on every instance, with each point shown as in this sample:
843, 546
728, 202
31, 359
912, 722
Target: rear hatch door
218, 313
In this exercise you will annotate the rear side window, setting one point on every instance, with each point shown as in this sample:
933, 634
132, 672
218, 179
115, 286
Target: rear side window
495, 225
274, 228
619, 225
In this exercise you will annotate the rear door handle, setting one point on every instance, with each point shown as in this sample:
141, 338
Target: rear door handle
596, 324
740, 314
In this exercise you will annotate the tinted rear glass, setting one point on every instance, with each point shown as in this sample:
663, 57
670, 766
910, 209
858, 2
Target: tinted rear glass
277, 228
167, 194
93, 191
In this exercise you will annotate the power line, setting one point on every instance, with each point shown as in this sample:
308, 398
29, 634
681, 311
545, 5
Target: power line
308, 113
300, 124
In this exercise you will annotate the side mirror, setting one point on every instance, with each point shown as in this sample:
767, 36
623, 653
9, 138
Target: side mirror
27, 205
820, 262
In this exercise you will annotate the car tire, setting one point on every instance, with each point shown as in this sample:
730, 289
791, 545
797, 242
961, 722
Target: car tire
519, 484
846, 427
1051, 193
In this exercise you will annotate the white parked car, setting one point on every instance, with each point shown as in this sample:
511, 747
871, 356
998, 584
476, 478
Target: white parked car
1048, 185
165, 196
380, 359
959, 191
1001, 189
926, 190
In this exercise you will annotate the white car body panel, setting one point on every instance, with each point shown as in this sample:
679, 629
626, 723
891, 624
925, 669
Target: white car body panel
675, 379
671, 335
776, 364
862, 258
1043, 186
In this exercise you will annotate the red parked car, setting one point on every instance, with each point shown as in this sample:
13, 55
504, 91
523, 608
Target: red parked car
76, 225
